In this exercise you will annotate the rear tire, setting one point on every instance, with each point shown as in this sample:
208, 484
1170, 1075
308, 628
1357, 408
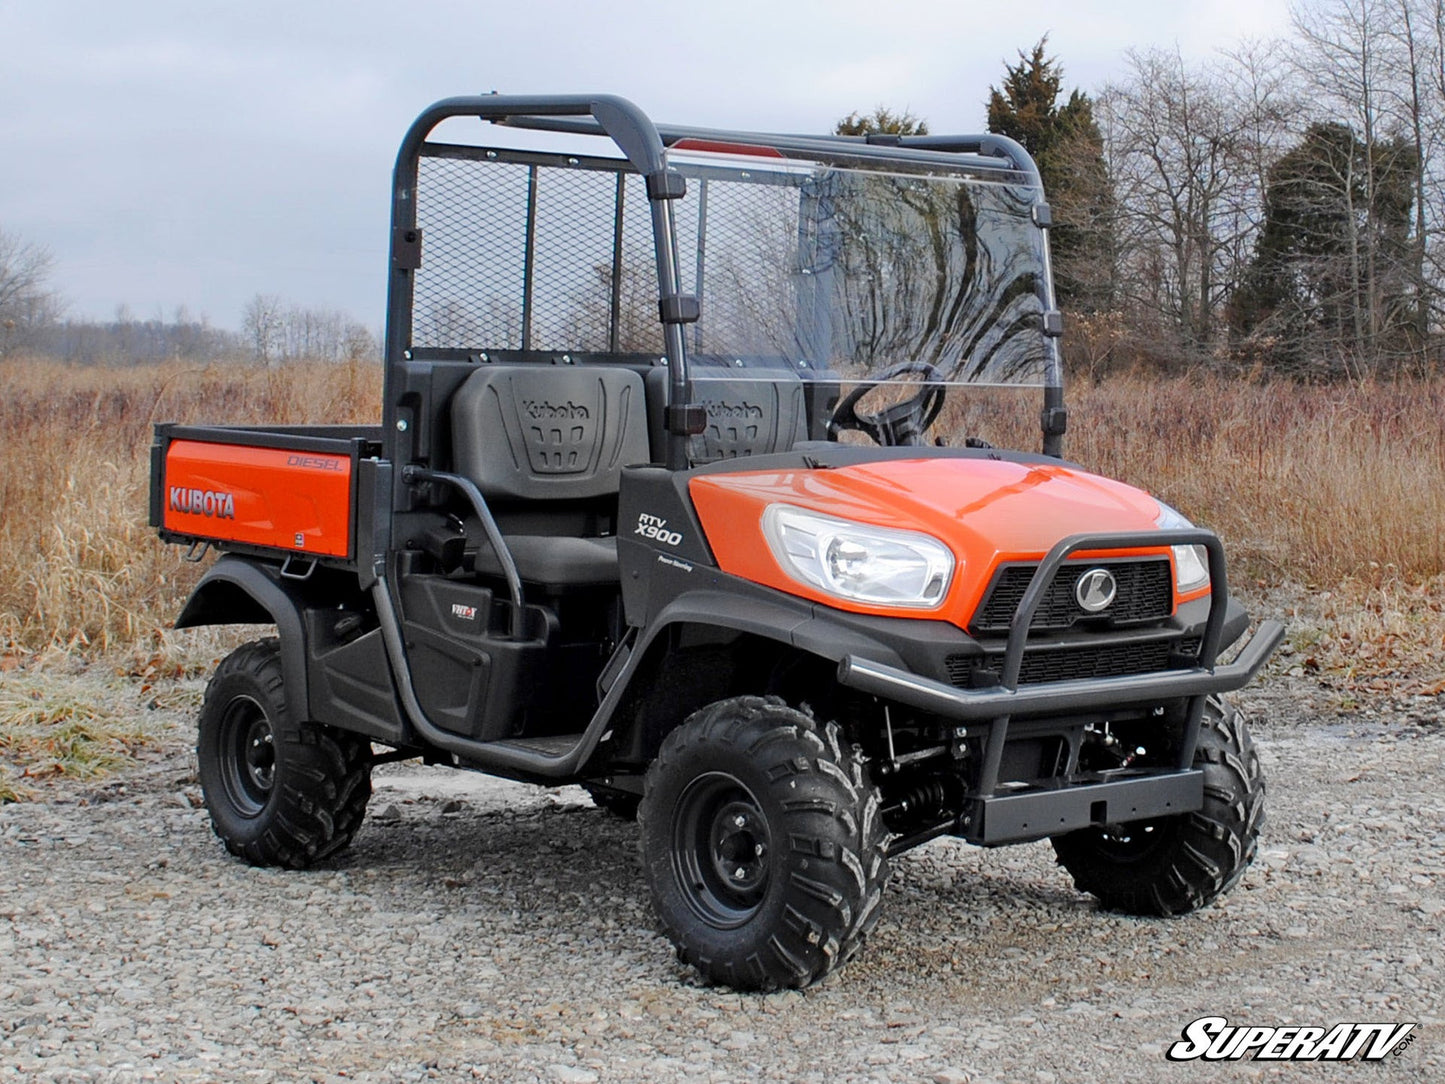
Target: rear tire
763, 845
280, 792
1173, 865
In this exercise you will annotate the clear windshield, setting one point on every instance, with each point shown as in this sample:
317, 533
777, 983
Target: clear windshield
860, 275
803, 270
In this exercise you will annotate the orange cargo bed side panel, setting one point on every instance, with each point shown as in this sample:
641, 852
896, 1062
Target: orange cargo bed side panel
287, 500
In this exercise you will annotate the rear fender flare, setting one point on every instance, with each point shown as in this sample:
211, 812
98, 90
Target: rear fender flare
236, 591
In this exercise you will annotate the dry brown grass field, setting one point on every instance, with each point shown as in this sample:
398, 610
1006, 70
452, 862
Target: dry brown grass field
1330, 500
79, 568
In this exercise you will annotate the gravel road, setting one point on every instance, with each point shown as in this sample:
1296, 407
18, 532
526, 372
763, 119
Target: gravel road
487, 930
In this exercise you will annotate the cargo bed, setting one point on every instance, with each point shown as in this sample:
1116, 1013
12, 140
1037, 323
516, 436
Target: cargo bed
273, 491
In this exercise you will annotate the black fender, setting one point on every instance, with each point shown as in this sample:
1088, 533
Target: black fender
796, 623
723, 603
915, 645
240, 591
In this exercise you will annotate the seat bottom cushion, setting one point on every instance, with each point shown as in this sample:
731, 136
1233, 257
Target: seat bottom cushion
557, 561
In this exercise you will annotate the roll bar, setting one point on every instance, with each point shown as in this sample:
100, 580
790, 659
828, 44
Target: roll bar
645, 146
637, 138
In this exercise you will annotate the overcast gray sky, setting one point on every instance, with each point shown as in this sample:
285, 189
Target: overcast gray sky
187, 152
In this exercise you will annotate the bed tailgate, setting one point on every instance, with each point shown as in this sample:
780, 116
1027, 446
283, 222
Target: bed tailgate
275, 490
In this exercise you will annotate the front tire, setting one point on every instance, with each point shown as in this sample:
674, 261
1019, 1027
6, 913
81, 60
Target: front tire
763, 845
280, 792
1173, 865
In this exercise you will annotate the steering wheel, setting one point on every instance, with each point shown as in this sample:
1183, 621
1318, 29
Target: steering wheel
901, 423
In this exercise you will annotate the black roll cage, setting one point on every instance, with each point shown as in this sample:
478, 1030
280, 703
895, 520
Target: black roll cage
644, 145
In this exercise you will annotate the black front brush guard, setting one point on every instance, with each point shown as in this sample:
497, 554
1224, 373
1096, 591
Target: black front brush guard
1050, 812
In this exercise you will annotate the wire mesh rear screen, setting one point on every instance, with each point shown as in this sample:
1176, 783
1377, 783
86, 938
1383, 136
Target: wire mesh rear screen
490, 228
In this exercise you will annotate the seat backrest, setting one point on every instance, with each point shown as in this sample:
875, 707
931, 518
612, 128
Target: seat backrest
548, 432
749, 417
756, 412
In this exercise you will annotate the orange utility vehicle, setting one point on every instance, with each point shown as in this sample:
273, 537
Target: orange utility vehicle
655, 507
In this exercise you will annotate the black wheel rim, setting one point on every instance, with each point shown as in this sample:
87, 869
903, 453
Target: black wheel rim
1126, 844
722, 850
248, 756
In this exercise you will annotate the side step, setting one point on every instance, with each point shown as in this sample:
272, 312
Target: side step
558, 745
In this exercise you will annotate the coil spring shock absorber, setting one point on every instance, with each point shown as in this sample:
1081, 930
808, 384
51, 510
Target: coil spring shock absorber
924, 800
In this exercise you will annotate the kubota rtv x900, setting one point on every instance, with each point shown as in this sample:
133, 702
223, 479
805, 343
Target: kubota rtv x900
607, 533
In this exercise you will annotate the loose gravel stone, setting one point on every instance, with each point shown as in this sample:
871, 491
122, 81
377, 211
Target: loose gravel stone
479, 929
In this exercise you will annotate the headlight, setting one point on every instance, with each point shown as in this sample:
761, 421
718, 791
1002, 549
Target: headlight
857, 561
1191, 563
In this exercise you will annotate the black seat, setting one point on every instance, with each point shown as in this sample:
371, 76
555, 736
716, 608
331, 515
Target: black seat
753, 406
550, 442
557, 562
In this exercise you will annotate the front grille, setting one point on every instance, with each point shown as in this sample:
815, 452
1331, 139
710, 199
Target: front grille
1145, 593
1069, 663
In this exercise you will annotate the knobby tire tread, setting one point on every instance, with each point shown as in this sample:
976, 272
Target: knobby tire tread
1202, 854
829, 818
323, 775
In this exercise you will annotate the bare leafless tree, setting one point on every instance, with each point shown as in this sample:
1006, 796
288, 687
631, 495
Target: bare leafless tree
26, 301
261, 325
1343, 60
1266, 102
1181, 147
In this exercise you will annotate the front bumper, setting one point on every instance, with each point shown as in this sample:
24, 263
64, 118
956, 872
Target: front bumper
979, 705
1053, 807
1016, 818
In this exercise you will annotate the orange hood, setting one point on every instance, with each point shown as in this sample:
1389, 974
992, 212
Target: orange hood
986, 511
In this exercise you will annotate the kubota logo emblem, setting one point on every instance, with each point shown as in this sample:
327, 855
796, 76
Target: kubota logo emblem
717, 408
1096, 589
543, 411
203, 502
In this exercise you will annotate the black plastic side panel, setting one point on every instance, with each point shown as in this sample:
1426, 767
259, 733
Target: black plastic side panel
470, 678
351, 685
654, 509
445, 627
658, 532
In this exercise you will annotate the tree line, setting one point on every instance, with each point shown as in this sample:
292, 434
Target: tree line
273, 330
1279, 206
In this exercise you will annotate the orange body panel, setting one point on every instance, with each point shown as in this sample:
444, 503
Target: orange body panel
986, 511
291, 500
